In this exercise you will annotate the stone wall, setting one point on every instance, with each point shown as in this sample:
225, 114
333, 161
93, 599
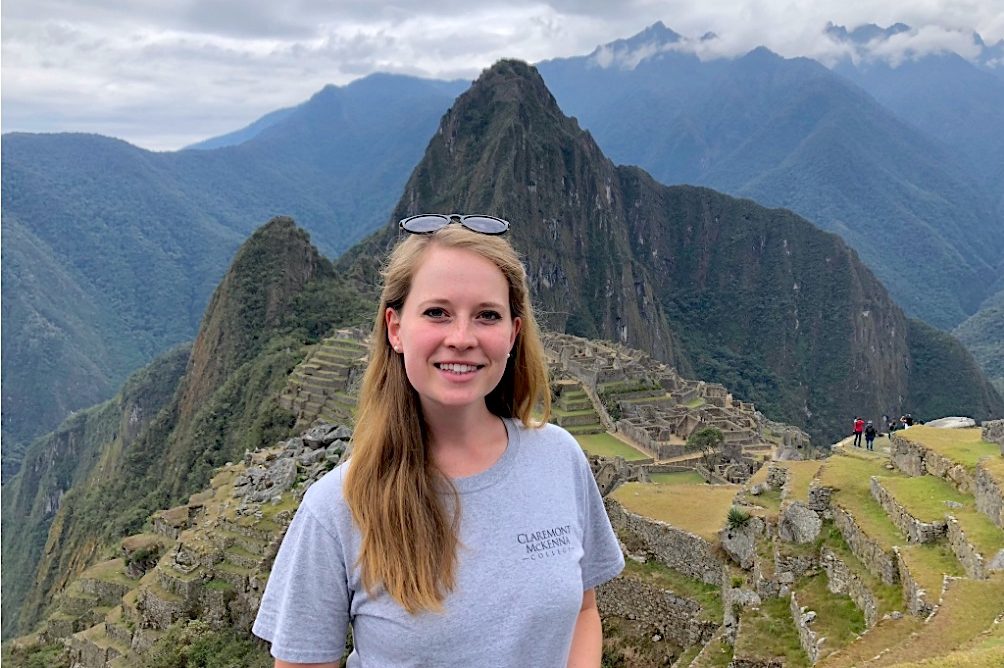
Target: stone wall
683, 551
916, 531
673, 617
993, 432
811, 641
919, 601
777, 476
976, 566
989, 495
914, 459
879, 563
819, 498
842, 580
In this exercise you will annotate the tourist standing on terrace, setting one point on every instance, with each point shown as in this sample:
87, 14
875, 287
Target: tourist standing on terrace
870, 433
462, 532
859, 427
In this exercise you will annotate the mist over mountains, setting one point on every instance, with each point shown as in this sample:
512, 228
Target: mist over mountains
111, 252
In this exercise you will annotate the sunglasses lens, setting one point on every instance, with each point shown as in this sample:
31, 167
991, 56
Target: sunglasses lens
424, 224
486, 224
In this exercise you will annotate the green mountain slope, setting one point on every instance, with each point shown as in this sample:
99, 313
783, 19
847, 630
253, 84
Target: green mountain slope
278, 296
785, 315
790, 133
983, 334
111, 252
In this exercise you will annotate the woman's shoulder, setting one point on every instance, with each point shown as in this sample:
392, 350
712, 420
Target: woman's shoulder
551, 438
324, 498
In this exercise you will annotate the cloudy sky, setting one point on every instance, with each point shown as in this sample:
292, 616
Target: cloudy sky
163, 74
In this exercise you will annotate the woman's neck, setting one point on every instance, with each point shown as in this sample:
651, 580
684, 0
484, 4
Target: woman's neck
465, 442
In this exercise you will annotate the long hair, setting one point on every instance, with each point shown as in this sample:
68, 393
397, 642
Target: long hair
397, 497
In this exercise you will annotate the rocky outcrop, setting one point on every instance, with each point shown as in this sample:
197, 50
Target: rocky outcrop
951, 423
915, 530
671, 616
798, 524
680, 550
740, 542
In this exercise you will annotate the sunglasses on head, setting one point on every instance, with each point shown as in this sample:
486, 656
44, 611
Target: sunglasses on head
427, 223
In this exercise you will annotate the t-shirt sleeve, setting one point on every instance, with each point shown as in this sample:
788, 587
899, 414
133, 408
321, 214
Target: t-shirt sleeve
602, 559
304, 612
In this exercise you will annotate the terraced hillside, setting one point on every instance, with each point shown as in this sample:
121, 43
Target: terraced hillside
324, 385
886, 558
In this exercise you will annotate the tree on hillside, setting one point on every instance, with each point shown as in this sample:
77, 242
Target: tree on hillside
706, 441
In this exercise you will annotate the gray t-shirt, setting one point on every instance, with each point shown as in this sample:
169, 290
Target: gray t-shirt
534, 535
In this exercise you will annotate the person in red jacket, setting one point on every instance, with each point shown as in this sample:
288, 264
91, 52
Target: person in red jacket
859, 427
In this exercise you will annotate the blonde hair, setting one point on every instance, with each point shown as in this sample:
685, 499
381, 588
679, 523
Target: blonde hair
409, 534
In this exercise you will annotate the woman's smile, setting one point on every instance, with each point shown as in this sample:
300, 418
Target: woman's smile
455, 328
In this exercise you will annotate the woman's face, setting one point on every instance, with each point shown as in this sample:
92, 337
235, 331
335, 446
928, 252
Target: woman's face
454, 329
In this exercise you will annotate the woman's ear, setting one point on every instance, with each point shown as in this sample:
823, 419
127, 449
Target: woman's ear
393, 321
517, 324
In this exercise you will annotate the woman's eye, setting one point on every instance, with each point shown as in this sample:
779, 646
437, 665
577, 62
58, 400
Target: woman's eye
435, 313
491, 315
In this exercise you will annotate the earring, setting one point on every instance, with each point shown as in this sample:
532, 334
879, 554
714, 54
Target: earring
508, 355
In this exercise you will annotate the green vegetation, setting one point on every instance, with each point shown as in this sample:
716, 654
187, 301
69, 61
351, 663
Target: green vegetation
660, 575
37, 656
707, 442
890, 597
196, 645
608, 445
770, 632
980, 333
801, 474
929, 564
850, 477
737, 518
837, 618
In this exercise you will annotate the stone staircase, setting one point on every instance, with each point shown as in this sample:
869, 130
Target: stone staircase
573, 409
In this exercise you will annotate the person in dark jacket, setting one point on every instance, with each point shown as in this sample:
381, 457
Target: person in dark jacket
870, 434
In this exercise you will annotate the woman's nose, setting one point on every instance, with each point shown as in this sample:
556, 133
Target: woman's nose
461, 334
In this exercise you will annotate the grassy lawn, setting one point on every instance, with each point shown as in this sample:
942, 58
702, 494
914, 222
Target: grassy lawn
885, 634
850, 477
718, 655
112, 570
770, 632
995, 467
678, 478
608, 445
660, 575
760, 475
696, 402
699, 509
964, 446
837, 618
969, 609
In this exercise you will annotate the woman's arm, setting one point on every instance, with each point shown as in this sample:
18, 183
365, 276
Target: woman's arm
587, 639
286, 664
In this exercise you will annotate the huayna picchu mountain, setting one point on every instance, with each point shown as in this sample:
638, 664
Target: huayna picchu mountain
782, 313
278, 296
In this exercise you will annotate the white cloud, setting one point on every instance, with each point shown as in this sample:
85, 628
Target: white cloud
162, 74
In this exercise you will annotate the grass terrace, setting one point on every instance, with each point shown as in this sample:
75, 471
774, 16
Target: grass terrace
837, 618
850, 477
885, 634
660, 575
928, 564
969, 608
718, 654
770, 632
678, 478
801, 475
963, 446
699, 509
926, 498
890, 597
608, 445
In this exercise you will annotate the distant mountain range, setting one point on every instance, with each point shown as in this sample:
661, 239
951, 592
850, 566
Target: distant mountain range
111, 252
782, 312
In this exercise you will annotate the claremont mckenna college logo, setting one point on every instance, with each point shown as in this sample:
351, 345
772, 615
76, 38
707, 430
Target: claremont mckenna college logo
546, 542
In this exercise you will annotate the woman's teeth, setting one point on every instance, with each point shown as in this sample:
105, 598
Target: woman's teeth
458, 368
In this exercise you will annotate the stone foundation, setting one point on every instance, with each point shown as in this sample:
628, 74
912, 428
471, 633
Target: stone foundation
842, 580
993, 432
680, 550
673, 617
915, 530
879, 563
916, 460
976, 566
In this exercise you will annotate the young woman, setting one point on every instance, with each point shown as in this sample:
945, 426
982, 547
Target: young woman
461, 532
